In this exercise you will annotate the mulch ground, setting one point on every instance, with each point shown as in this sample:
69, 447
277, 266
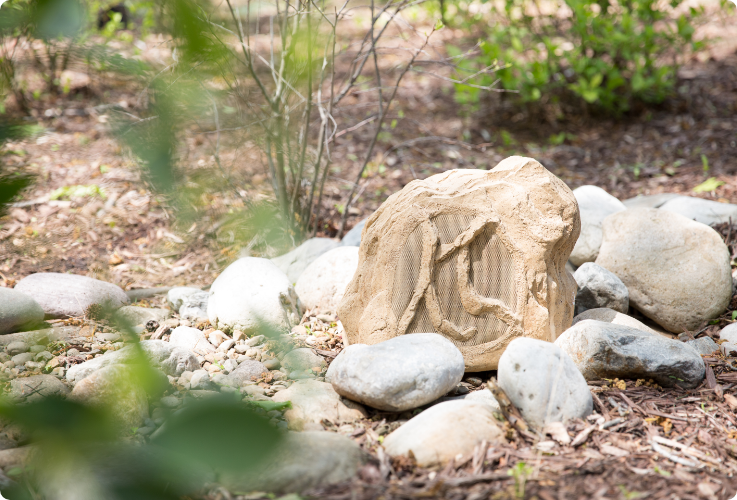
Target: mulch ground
641, 442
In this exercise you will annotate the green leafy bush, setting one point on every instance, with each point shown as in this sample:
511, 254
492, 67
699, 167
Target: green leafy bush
607, 54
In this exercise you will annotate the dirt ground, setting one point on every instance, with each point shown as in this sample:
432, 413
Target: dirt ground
650, 443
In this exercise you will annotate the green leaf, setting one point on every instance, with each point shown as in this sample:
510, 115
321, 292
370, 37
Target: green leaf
53, 19
734, 315
709, 185
272, 405
60, 420
220, 432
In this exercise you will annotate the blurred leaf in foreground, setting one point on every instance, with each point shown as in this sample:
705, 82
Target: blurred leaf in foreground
221, 433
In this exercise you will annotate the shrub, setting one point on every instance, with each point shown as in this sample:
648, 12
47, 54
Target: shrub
607, 54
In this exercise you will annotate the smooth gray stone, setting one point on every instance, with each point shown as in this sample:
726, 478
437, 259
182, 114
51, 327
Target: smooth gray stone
728, 348
171, 359
18, 311
191, 339
729, 333
703, 345
398, 374
17, 347
175, 296
57, 333
194, 306
302, 359
353, 237
323, 283
314, 401
21, 359
543, 382
246, 372
136, 315
254, 296
145, 293
649, 201
594, 205
36, 387
677, 270
598, 287
705, 211
484, 395
304, 460
611, 316
296, 261
605, 350
116, 388
444, 431
68, 295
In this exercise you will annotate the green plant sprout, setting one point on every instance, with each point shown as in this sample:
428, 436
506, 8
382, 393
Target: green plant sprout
521, 472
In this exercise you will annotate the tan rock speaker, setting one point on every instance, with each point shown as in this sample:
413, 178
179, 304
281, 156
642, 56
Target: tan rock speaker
478, 256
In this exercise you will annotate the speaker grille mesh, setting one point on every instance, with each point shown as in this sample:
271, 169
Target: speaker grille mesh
492, 275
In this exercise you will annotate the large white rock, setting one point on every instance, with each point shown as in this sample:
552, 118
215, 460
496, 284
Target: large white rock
254, 296
705, 211
729, 333
677, 270
117, 389
399, 374
649, 200
543, 382
171, 359
595, 205
304, 460
613, 317
62, 295
18, 311
313, 402
598, 287
296, 261
323, 283
192, 339
444, 431
604, 350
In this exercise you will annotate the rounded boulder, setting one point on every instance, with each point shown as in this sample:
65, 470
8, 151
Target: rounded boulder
254, 296
677, 270
399, 374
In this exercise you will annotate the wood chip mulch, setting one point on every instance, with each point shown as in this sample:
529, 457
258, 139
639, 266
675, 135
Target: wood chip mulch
642, 441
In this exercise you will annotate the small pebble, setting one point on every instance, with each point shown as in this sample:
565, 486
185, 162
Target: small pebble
272, 364
17, 348
43, 356
474, 381
170, 401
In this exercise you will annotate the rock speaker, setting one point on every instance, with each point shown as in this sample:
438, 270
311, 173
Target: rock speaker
477, 256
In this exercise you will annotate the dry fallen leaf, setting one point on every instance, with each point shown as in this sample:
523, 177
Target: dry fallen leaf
558, 432
731, 401
613, 450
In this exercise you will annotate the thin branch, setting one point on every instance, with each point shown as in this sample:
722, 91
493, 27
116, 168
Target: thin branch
384, 111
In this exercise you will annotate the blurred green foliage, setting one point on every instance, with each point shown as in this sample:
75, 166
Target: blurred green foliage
80, 451
604, 54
